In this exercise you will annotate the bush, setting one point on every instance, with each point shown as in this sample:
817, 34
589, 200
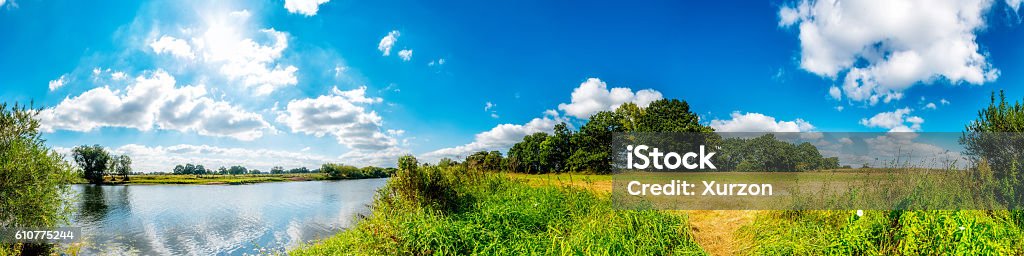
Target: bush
33, 178
449, 211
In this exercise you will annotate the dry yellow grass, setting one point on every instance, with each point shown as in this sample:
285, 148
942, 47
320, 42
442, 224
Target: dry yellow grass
714, 230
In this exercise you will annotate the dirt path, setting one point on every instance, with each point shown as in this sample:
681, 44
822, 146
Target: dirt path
715, 231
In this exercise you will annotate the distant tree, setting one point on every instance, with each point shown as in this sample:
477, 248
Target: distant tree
124, 166
237, 170
277, 170
222, 170
299, 170
189, 169
492, 161
446, 162
255, 171
179, 169
93, 160
200, 169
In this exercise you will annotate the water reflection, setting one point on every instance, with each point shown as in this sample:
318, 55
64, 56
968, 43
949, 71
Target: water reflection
217, 219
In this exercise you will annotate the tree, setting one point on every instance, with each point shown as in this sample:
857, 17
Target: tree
200, 169
995, 138
277, 170
34, 179
557, 148
222, 170
179, 169
93, 160
407, 162
446, 162
124, 166
236, 170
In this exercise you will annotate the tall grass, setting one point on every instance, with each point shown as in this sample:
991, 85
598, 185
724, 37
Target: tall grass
446, 211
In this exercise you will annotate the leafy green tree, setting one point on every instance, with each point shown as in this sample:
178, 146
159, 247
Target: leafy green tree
222, 170
996, 138
237, 170
124, 166
179, 169
33, 178
93, 160
593, 144
557, 148
407, 162
493, 160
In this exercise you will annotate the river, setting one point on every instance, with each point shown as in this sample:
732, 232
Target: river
216, 219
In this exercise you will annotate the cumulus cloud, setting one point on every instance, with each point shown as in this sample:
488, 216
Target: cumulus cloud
304, 7
757, 122
58, 83
342, 114
501, 137
883, 48
389, 41
406, 54
593, 96
174, 46
226, 44
154, 101
895, 121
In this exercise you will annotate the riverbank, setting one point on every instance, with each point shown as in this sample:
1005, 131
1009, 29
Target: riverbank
455, 211
211, 179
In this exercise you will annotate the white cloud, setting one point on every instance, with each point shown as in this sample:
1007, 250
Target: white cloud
895, 121
757, 122
501, 137
840, 108
489, 106
387, 42
930, 105
835, 93
154, 101
888, 46
406, 54
341, 114
593, 96
944, 102
58, 83
118, 75
437, 62
174, 46
304, 7
229, 45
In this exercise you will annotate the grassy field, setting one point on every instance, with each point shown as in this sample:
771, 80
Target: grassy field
435, 212
213, 179
517, 213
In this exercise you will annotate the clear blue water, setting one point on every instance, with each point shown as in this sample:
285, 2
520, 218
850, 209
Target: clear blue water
216, 219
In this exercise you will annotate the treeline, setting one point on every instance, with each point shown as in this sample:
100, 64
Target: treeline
341, 171
590, 148
767, 153
199, 169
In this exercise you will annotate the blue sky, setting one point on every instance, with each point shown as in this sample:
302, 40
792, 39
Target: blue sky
302, 82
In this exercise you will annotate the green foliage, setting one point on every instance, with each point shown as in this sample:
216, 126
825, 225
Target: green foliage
93, 160
454, 211
768, 154
33, 178
996, 138
884, 232
341, 171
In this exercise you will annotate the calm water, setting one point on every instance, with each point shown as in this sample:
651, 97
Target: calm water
217, 219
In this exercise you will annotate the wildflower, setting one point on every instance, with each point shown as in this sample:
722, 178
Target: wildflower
962, 228
860, 213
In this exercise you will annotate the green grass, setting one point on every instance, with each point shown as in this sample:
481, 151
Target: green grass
884, 232
433, 211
